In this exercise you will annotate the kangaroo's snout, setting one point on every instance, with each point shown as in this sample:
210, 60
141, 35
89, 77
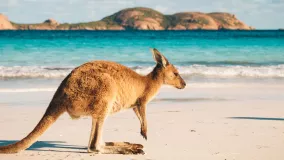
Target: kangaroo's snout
182, 84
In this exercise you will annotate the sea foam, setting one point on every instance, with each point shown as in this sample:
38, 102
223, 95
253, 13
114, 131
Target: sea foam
23, 90
273, 71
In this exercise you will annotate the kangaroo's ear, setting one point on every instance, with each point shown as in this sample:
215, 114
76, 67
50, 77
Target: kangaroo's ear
159, 58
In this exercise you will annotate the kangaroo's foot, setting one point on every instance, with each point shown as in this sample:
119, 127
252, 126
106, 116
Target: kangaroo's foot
124, 144
120, 148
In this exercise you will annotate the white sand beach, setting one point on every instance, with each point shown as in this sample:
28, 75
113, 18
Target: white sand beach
202, 122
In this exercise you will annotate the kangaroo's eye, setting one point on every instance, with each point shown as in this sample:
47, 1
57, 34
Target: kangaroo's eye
176, 74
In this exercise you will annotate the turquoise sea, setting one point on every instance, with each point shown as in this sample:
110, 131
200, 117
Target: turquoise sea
39, 60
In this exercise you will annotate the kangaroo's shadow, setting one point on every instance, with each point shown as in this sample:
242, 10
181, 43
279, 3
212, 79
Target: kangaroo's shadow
50, 146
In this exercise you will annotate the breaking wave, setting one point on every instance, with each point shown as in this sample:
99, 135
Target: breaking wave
33, 72
272, 71
23, 90
276, 71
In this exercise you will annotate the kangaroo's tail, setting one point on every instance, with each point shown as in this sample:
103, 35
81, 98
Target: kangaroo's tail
51, 115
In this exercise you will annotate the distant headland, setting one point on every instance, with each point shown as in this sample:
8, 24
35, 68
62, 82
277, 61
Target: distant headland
140, 19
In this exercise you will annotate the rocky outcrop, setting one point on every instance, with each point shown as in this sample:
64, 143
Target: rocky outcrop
192, 21
49, 24
138, 19
147, 19
211, 21
5, 24
228, 21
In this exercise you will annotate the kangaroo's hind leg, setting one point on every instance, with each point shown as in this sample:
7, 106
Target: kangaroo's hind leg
92, 136
124, 144
122, 148
101, 109
109, 147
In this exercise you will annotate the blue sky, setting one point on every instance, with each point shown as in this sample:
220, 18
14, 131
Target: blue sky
262, 14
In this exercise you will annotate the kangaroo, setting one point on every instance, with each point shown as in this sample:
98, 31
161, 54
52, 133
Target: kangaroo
101, 88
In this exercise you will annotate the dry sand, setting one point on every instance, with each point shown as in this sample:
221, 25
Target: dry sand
226, 122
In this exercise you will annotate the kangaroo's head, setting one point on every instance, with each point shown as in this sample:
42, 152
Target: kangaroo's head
168, 72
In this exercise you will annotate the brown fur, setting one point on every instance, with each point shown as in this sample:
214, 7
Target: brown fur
100, 88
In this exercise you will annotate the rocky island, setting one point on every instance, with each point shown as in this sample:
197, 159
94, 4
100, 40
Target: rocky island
140, 19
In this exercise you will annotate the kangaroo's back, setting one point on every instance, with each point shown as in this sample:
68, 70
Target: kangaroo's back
115, 70
96, 78
119, 75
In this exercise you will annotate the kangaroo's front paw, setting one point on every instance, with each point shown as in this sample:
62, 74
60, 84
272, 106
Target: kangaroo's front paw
144, 133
